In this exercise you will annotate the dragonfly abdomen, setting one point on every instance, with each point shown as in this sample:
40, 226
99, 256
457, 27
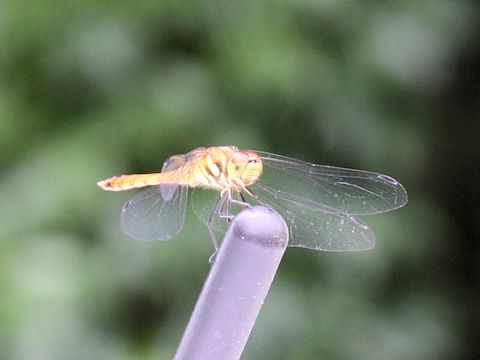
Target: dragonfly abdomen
127, 182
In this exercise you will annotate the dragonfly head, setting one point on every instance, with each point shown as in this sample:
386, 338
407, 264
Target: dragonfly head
245, 167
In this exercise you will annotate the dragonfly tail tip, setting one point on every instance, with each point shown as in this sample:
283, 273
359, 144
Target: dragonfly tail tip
104, 184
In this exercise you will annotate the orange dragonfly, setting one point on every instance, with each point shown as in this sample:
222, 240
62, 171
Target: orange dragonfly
320, 203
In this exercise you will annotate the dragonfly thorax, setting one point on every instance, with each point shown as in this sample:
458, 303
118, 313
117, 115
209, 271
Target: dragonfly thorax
223, 168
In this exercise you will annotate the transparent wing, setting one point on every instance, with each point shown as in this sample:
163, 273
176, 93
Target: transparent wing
203, 202
151, 216
353, 192
203, 205
315, 226
158, 212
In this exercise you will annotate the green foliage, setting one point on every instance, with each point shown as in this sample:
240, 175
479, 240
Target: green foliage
89, 90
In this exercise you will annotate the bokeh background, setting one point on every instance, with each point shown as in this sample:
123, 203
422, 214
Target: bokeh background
91, 89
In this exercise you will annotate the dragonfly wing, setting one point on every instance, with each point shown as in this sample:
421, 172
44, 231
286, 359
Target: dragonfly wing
204, 206
353, 192
150, 215
315, 226
172, 163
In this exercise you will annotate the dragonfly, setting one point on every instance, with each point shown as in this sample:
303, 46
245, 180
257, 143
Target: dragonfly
320, 204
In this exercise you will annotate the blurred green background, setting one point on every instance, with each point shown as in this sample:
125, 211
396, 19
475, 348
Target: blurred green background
90, 89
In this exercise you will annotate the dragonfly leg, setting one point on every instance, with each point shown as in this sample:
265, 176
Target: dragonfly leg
241, 202
222, 209
212, 257
228, 217
253, 195
242, 197
216, 208
226, 211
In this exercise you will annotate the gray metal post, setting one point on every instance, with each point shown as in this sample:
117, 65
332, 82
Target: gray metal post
236, 286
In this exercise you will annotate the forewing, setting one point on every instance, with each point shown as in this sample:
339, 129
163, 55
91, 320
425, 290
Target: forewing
172, 163
151, 216
316, 226
353, 192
